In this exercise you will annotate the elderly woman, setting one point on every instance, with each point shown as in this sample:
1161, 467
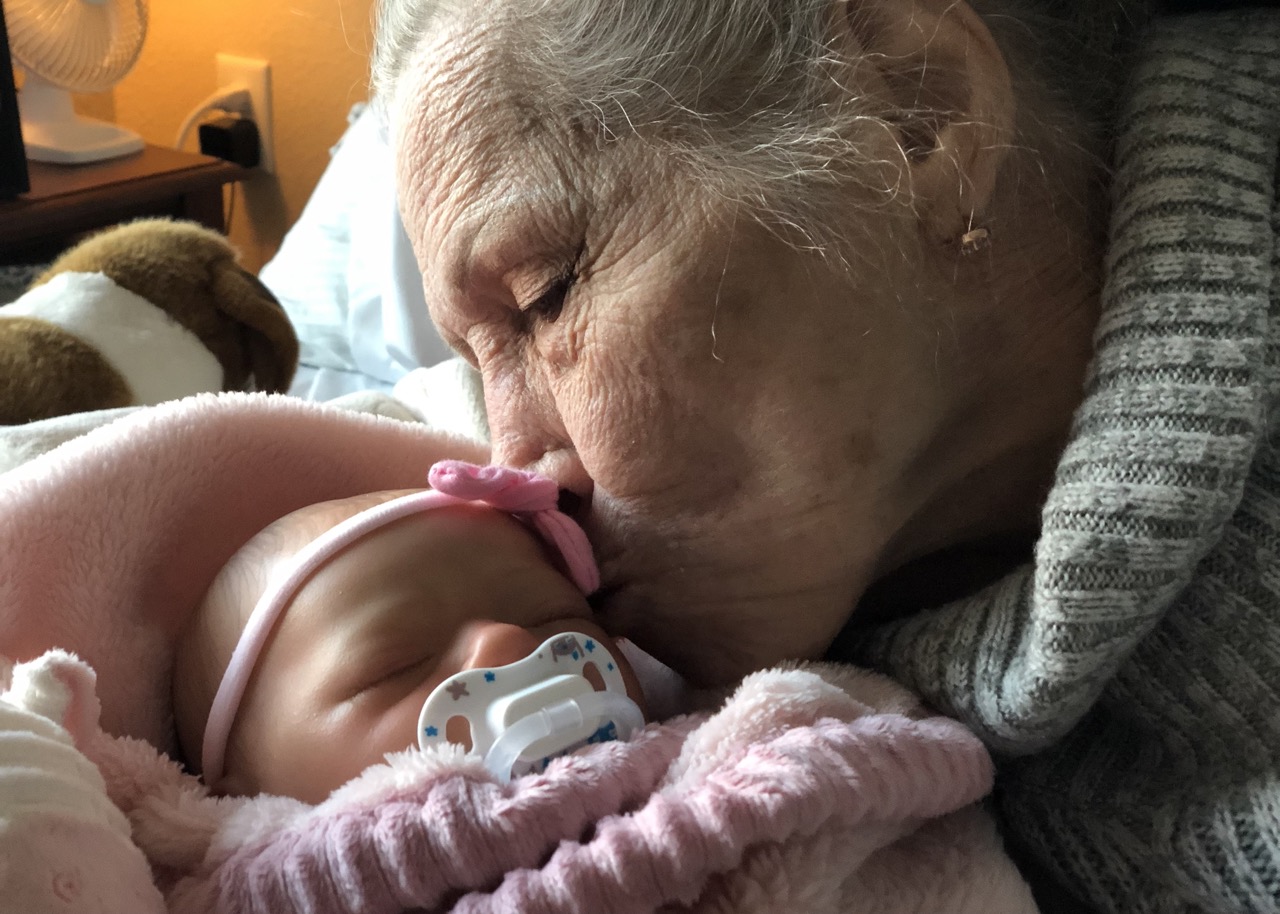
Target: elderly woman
827, 310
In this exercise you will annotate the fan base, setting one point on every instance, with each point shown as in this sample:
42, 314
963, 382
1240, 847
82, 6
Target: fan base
53, 132
78, 141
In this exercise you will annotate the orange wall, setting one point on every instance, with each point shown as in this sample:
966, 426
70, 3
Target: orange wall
318, 51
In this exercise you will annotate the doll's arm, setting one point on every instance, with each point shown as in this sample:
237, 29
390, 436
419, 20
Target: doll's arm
63, 845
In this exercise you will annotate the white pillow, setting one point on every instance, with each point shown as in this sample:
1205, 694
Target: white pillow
347, 277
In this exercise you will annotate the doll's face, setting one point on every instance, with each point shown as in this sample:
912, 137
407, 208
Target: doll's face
357, 651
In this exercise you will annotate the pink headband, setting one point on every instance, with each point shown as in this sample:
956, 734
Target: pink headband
530, 497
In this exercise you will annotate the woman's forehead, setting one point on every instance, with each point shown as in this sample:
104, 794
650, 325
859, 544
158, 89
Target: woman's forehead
453, 145
451, 94
470, 136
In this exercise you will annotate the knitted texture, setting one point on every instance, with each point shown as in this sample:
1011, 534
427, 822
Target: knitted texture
1130, 677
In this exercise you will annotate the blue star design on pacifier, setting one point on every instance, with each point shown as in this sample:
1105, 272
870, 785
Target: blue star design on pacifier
431, 731
489, 676
610, 667
590, 646
457, 690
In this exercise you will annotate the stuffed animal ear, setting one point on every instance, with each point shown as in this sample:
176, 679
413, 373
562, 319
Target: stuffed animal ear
272, 341
62, 688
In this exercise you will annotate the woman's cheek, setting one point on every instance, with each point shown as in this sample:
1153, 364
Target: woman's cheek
615, 364
574, 365
561, 346
624, 431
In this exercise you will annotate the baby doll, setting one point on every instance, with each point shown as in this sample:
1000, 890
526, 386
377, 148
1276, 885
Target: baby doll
317, 645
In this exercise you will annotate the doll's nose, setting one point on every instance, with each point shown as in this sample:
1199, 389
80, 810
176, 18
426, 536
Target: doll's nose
494, 644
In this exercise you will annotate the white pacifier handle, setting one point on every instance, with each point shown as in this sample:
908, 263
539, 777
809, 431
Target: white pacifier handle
595, 711
529, 711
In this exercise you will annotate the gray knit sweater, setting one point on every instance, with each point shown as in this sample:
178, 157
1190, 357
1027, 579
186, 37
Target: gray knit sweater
1129, 679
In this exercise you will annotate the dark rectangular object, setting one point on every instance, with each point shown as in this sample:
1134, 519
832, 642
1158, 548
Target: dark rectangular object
13, 155
232, 138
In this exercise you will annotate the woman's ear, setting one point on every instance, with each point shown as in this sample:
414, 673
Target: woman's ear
949, 99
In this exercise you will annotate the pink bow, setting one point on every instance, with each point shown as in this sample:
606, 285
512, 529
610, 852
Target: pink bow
525, 493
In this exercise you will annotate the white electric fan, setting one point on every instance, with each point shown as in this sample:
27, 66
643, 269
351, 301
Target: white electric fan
66, 46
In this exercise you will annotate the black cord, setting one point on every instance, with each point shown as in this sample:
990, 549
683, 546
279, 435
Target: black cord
231, 208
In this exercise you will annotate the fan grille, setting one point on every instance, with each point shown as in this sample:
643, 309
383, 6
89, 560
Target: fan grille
80, 45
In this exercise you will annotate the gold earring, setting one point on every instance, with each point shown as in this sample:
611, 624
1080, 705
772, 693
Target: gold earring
974, 241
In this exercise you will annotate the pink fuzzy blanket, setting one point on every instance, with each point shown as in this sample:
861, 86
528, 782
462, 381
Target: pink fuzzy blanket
811, 789
110, 540
796, 796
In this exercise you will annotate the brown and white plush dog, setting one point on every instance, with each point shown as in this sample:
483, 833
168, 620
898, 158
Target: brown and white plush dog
138, 314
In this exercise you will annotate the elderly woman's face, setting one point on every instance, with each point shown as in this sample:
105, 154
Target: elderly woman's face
732, 406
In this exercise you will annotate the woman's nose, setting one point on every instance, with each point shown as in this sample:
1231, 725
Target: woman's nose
527, 434
560, 464
486, 644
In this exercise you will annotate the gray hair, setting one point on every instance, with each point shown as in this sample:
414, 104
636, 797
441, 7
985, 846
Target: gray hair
748, 92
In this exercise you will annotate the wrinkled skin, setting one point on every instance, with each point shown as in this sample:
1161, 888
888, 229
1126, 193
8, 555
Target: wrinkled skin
743, 418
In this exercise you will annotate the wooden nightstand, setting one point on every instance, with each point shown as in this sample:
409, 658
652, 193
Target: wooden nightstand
66, 201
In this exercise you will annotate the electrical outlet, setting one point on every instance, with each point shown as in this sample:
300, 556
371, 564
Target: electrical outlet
254, 75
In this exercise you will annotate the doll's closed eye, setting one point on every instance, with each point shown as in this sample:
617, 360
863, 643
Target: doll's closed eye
391, 677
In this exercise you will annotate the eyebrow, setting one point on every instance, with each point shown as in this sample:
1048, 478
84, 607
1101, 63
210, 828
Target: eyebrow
469, 232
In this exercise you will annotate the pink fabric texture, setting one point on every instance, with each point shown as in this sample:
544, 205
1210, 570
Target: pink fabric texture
110, 540
529, 495
810, 790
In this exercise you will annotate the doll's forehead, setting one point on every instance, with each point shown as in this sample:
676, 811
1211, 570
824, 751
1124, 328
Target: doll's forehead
299, 527
272, 551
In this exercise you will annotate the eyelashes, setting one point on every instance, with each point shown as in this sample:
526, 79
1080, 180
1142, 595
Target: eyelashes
550, 302
548, 305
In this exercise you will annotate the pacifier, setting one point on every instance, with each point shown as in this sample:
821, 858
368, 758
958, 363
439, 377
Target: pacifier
526, 713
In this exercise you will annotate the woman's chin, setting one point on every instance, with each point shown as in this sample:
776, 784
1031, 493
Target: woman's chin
713, 640
714, 606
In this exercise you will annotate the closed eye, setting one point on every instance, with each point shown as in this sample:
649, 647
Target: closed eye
548, 305
550, 302
399, 677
